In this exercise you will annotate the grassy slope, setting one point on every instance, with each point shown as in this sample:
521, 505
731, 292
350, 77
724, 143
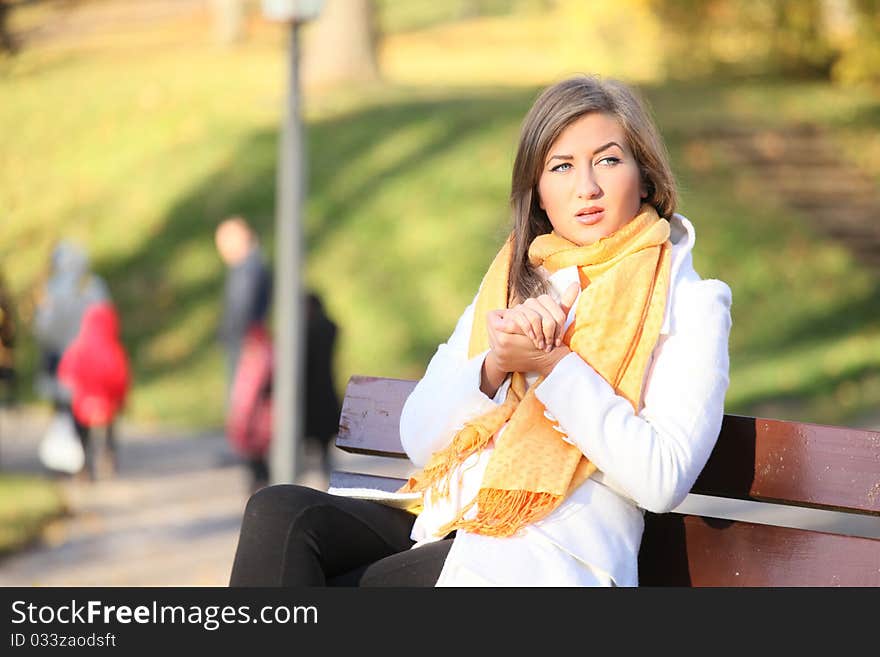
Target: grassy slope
26, 504
139, 148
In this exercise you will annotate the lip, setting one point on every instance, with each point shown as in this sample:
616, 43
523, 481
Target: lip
590, 216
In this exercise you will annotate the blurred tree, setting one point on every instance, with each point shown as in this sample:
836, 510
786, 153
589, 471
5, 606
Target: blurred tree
799, 38
790, 37
7, 42
228, 20
624, 38
858, 37
341, 44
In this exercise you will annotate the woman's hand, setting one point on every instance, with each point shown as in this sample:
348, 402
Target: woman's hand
519, 344
541, 319
514, 352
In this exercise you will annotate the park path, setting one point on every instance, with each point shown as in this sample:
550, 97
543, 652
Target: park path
170, 518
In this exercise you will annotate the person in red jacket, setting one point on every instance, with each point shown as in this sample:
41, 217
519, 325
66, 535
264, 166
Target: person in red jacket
96, 370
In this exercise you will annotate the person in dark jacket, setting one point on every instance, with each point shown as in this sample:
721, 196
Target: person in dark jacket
246, 299
248, 289
321, 403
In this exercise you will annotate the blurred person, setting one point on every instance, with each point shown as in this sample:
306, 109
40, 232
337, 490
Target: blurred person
583, 385
249, 420
69, 289
249, 416
248, 288
95, 368
246, 298
321, 402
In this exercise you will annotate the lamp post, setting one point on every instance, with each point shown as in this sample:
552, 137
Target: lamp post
290, 318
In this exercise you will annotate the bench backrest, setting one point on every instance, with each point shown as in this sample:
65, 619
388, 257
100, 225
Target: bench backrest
789, 463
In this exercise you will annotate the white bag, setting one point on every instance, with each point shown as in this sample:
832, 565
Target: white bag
61, 448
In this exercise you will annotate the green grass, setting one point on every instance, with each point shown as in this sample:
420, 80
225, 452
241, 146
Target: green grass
139, 151
27, 503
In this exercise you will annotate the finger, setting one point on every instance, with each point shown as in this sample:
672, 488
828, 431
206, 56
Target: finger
569, 297
536, 321
558, 317
546, 328
493, 338
536, 332
548, 320
518, 323
507, 323
515, 345
494, 322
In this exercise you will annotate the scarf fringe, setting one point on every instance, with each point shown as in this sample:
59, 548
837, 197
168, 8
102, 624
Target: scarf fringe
473, 438
502, 513
436, 475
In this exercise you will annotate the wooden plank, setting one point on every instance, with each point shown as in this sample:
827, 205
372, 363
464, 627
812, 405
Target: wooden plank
370, 418
340, 479
694, 551
754, 458
794, 462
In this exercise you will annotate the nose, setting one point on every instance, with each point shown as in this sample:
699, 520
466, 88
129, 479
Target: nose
587, 186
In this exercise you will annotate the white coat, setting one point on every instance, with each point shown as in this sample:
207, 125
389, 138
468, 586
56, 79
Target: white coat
648, 460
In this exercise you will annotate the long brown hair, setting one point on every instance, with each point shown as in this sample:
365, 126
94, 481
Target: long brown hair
555, 109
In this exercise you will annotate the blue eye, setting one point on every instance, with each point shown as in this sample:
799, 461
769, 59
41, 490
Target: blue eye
609, 161
558, 167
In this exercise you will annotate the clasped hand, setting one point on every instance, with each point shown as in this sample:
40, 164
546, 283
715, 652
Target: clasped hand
528, 336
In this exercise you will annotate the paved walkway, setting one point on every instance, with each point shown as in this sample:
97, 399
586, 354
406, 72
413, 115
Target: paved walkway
170, 518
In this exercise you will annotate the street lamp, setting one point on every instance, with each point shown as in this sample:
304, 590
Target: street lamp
290, 318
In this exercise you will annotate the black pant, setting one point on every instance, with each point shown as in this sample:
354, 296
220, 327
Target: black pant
297, 536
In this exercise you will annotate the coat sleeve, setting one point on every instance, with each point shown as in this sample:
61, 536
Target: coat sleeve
654, 456
446, 397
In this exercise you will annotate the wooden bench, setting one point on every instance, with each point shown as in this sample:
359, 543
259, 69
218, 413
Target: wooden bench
786, 463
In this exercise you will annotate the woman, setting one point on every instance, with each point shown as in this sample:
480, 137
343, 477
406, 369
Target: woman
584, 384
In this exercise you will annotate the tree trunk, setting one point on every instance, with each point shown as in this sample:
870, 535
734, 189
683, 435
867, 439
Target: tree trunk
228, 20
341, 45
7, 42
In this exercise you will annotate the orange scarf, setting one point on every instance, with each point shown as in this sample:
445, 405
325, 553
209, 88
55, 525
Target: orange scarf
625, 280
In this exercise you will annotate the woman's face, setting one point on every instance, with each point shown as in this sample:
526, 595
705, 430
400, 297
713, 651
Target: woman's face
590, 183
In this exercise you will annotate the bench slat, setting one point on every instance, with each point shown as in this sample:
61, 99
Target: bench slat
679, 550
755, 458
341, 479
370, 418
695, 551
809, 464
